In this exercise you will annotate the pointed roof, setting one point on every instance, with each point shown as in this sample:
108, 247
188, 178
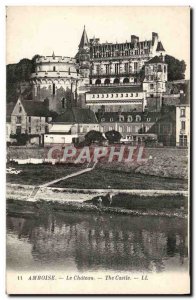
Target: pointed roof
155, 60
84, 39
160, 47
36, 108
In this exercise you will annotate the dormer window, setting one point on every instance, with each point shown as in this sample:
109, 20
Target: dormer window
138, 118
111, 119
148, 119
121, 118
129, 119
20, 108
102, 119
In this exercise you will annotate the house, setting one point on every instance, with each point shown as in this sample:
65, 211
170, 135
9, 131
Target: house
31, 118
183, 122
71, 126
9, 109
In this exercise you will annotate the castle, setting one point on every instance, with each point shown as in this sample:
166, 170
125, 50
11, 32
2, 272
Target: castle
108, 76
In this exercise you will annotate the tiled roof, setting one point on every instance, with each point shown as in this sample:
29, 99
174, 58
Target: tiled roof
114, 89
114, 116
9, 110
154, 60
36, 108
160, 47
76, 115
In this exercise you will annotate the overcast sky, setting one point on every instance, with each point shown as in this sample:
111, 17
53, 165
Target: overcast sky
42, 30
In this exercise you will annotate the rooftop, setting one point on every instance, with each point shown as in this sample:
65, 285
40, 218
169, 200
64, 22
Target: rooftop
115, 89
76, 115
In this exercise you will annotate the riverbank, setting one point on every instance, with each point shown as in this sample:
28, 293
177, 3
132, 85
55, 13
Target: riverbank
125, 202
161, 162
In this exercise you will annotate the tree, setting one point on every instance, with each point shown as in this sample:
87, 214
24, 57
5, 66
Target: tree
176, 68
93, 136
113, 136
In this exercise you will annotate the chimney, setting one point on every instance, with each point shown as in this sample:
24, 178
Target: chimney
134, 39
154, 37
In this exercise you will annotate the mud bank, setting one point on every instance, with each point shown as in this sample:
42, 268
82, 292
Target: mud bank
126, 202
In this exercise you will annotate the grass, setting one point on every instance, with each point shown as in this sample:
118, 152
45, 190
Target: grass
127, 201
104, 179
39, 174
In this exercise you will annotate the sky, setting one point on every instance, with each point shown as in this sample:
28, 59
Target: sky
41, 30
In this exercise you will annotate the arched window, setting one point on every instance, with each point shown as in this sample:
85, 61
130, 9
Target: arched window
107, 81
63, 102
129, 119
126, 80
116, 80
138, 118
98, 81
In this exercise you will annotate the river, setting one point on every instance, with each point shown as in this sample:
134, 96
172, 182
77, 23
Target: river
91, 242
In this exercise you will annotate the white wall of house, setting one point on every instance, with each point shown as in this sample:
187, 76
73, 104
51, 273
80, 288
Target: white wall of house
182, 125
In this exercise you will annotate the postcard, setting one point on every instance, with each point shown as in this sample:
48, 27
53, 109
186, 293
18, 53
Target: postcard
98, 150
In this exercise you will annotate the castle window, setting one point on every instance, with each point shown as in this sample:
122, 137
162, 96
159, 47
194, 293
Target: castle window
69, 71
126, 67
29, 129
136, 95
159, 68
54, 68
116, 68
129, 119
183, 125
121, 118
182, 112
102, 96
107, 96
138, 118
131, 94
121, 95
107, 69
136, 52
18, 120
63, 103
53, 88
135, 66
151, 86
112, 95
126, 53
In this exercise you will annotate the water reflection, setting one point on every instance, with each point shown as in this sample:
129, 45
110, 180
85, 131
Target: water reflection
96, 242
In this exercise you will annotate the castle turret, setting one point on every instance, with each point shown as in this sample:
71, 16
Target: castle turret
83, 56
